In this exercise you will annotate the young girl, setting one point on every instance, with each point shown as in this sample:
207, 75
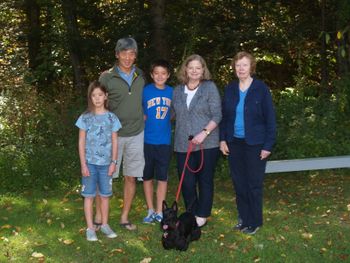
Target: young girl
98, 156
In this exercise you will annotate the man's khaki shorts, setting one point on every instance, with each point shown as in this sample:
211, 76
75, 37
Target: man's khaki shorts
130, 151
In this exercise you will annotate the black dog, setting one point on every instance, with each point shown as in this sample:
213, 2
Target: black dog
178, 231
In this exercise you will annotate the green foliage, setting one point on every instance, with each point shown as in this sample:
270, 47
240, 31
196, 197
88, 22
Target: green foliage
39, 167
343, 94
38, 106
38, 139
310, 126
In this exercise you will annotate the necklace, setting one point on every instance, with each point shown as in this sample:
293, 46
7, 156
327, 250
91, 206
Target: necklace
195, 87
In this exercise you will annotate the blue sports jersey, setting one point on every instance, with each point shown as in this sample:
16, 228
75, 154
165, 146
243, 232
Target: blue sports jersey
156, 107
99, 128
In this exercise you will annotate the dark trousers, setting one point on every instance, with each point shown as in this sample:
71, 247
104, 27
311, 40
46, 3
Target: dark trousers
247, 173
198, 188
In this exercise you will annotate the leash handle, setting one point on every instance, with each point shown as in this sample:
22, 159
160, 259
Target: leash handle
189, 151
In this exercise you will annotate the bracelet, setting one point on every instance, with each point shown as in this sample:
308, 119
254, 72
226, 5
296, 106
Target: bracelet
114, 161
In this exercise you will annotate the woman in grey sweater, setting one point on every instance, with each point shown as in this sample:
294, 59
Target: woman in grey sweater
197, 107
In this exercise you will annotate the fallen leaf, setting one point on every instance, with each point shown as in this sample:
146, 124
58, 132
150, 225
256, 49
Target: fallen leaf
45, 201
64, 200
68, 241
282, 202
348, 207
6, 226
37, 255
49, 221
62, 225
37, 244
272, 186
4, 239
233, 246
259, 246
144, 238
323, 250
146, 260
343, 256
118, 250
306, 235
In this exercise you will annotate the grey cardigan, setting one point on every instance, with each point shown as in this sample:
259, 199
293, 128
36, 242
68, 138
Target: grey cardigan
204, 107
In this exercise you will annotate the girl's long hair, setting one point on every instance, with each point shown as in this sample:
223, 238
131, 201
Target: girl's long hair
95, 85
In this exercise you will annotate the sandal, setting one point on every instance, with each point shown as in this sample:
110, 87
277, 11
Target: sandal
97, 226
128, 226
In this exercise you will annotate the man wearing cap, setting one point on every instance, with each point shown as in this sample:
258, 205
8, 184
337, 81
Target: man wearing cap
124, 83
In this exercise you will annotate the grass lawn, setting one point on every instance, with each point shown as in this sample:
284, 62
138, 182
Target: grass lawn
306, 219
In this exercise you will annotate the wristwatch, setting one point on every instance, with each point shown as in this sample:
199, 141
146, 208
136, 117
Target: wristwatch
114, 161
206, 131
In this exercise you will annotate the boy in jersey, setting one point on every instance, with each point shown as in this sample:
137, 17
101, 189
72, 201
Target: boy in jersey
156, 103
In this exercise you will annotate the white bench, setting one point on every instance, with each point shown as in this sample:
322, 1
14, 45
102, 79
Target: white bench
321, 163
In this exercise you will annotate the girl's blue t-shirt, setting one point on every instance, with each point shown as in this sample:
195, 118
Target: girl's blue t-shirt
99, 128
156, 107
239, 121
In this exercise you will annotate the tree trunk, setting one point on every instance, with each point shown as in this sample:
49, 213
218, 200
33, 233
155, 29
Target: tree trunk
343, 22
74, 40
158, 39
324, 68
32, 11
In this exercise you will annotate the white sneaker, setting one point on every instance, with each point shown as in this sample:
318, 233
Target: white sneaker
201, 221
91, 235
105, 229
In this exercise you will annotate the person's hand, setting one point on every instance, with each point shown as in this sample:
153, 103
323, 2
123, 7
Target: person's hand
264, 154
224, 148
199, 138
112, 168
84, 170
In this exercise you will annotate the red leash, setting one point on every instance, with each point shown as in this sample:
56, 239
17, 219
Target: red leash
189, 151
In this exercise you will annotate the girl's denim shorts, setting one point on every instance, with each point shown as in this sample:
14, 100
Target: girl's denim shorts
97, 181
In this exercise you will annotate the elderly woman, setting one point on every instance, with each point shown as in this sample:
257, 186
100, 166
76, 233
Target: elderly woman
247, 134
197, 108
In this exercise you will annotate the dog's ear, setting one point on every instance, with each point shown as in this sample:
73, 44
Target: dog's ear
174, 206
164, 205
